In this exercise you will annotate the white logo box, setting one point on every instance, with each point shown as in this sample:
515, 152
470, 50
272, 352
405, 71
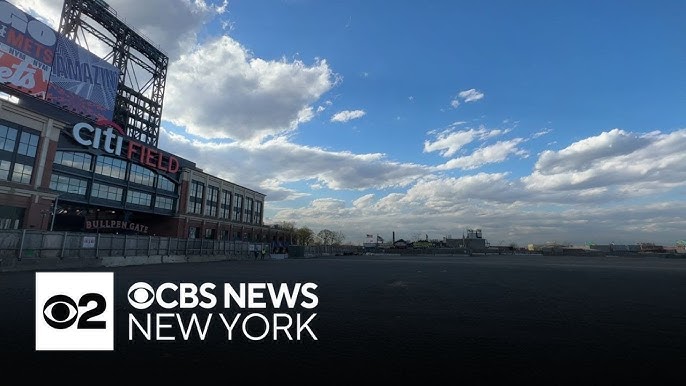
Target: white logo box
74, 311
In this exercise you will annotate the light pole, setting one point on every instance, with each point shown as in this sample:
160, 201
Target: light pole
54, 211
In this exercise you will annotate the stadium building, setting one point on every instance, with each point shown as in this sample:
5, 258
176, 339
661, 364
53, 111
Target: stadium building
78, 140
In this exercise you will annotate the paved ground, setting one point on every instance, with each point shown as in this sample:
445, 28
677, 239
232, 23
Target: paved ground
529, 317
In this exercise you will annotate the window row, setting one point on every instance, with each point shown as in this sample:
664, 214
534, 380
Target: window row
18, 149
15, 172
115, 168
78, 186
27, 144
218, 203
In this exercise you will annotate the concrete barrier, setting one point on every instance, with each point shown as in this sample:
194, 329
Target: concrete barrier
47, 263
54, 263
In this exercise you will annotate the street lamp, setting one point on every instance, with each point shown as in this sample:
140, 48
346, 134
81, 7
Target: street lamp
54, 211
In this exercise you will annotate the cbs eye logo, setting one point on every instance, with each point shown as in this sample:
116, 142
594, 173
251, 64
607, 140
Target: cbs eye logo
74, 311
60, 311
141, 295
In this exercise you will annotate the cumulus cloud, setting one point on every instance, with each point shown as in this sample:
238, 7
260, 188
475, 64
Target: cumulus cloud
220, 90
347, 115
580, 155
614, 159
363, 201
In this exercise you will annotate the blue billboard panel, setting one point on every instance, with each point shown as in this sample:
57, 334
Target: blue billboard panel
82, 82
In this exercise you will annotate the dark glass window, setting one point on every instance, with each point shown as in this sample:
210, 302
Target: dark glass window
248, 210
22, 173
75, 160
238, 207
111, 167
165, 183
225, 209
258, 212
195, 200
138, 198
212, 201
17, 152
28, 144
107, 192
11, 217
68, 184
8, 138
141, 175
5, 169
164, 203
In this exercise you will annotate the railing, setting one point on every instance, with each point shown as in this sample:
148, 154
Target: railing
22, 244
330, 250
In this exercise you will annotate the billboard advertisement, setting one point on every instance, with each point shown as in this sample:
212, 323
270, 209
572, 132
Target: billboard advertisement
82, 82
27, 48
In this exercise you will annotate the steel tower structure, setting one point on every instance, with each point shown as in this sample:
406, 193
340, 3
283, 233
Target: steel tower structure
142, 66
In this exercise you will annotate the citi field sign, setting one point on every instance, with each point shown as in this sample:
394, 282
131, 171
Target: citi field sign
110, 137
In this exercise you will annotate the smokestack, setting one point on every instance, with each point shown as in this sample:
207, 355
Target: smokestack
393, 237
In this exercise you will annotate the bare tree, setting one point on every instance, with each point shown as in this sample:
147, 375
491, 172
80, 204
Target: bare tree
304, 236
326, 236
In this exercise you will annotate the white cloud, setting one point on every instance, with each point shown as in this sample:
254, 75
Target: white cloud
236, 95
363, 201
624, 194
541, 133
616, 159
471, 95
583, 153
347, 115
454, 103
449, 142
276, 162
495, 153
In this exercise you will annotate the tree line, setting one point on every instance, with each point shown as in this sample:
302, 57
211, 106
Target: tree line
306, 236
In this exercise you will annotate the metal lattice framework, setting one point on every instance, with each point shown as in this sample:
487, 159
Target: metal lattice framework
138, 107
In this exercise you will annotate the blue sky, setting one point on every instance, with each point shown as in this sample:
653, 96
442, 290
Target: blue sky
536, 121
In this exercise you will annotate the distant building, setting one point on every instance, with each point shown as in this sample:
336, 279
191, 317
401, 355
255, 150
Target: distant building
472, 239
400, 244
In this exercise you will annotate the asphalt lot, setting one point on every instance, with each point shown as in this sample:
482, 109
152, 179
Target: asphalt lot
393, 318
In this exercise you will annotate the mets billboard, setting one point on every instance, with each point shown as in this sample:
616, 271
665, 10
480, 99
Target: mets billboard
36, 60
27, 48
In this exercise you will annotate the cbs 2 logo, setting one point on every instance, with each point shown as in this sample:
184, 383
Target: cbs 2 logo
61, 311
